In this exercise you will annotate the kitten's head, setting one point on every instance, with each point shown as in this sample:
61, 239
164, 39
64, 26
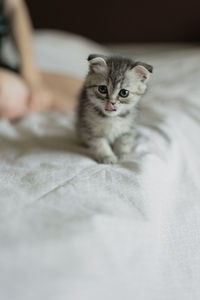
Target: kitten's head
115, 84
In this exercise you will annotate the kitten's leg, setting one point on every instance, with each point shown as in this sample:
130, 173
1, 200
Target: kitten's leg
123, 145
102, 151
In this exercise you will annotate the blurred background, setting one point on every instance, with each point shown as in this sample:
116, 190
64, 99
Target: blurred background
124, 21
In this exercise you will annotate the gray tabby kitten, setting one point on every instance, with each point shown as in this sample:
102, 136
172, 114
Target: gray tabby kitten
107, 105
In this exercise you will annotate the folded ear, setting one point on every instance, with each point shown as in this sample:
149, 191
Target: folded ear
147, 66
97, 63
143, 71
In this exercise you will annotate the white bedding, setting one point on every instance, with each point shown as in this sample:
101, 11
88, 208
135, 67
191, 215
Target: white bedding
73, 229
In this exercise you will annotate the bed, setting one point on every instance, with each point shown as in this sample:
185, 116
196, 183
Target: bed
74, 229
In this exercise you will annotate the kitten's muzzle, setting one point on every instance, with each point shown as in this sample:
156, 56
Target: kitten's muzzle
110, 106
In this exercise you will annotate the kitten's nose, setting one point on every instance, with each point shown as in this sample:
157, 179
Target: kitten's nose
109, 106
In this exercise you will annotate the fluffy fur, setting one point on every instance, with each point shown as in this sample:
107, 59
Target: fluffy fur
107, 111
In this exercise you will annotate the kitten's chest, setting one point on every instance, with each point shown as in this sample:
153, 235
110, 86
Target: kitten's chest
111, 128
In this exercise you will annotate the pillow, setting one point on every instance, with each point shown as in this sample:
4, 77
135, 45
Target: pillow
58, 51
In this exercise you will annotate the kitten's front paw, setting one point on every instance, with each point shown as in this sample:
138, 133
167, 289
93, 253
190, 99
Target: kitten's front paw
122, 156
107, 159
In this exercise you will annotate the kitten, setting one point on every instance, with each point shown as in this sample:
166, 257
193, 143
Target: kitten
107, 105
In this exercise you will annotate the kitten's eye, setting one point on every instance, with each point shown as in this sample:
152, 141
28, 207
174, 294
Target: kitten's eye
123, 93
102, 89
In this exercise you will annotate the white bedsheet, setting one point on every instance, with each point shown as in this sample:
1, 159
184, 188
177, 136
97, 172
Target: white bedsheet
73, 229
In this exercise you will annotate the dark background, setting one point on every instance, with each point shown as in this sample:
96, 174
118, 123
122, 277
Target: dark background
121, 21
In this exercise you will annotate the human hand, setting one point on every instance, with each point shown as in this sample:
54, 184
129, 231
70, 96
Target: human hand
41, 98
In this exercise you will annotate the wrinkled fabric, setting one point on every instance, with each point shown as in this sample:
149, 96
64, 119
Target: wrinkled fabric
71, 228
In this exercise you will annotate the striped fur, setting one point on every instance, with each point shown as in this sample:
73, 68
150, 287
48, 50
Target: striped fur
106, 122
